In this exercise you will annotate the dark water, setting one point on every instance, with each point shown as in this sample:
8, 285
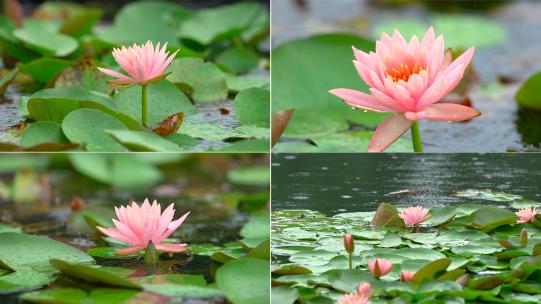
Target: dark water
333, 183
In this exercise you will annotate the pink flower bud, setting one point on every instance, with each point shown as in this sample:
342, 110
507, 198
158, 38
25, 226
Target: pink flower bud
349, 244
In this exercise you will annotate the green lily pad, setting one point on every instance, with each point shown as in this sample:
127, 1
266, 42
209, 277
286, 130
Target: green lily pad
252, 107
55, 104
441, 216
488, 219
257, 227
247, 146
238, 60
74, 295
387, 216
245, 281
300, 84
87, 127
164, 100
432, 270
238, 83
144, 141
108, 253
24, 280
42, 132
207, 131
250, 176
150, 18
21, 251
284, 295
203, 81
93, 274
42, 36
122, 171
222, 22
44, 69
529, 94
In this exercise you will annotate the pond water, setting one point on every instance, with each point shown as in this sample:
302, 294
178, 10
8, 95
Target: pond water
503, 125
336, 183
193, 184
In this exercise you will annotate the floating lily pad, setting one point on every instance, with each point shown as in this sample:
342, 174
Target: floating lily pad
43, 37
252, 107
144, 141
21, 251
250, 176
488, 219
24, 280
238, 60
44, 69
164, 100
43, 132
387, 216
87, 127
92, 274
223, 22
245, 281
203, 81
529, 94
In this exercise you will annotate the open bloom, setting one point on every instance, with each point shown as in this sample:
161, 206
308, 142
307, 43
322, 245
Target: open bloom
414, 216
526, 214
406, 276
144, 64
362, 296
407, 79
379, 267
139, 225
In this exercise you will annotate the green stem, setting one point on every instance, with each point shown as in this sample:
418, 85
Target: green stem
144, 104
416, 138
151, 255
350, 261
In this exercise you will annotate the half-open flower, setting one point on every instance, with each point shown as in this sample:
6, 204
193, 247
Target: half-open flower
137, 226
144, 64
362, 296
525, 215
379, 267
413, 216
407, 79
406, 276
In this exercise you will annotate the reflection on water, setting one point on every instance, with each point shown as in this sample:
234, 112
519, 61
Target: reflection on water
333, 183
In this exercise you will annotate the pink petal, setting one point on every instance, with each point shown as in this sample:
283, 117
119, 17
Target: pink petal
429, 38
171, 247
130, 250
464, 59
174, 226
432, 94
448, 112
114, 73
360, 100
388, 132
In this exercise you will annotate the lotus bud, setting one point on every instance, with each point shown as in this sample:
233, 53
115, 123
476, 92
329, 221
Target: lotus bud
463, 279
349, 244
524, 238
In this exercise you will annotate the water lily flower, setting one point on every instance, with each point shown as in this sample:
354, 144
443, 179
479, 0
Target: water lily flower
525, 215
408, 79
349, 245
413, 216
406, 276
139, 226
144, 64
379, 267
362, 296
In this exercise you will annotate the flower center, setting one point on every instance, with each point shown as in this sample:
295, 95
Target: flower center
403, 72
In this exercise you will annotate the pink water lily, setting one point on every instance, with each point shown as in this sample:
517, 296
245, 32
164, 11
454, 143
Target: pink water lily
362, 296
143, 63
406, 276
379, 267
525, 215
407, 79
413, 216
137, 226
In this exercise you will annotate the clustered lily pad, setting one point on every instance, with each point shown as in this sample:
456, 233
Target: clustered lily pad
67, 104
461, 254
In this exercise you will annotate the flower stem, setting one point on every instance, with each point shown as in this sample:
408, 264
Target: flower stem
350, 261
416, 137
144, 104
151, 255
